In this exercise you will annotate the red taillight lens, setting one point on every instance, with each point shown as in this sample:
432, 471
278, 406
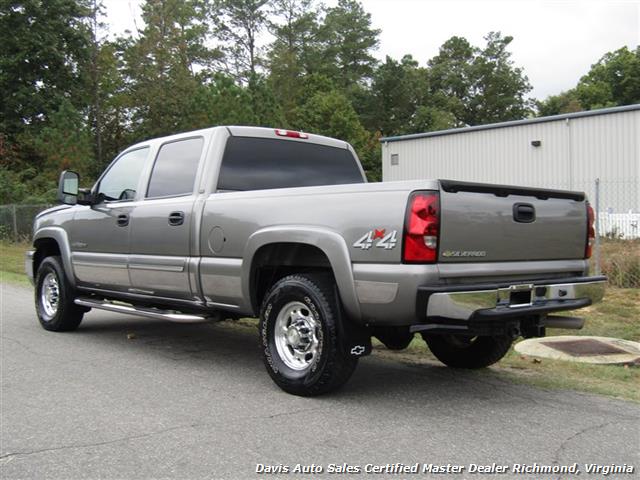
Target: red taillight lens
591, 232
291, 134
422, 228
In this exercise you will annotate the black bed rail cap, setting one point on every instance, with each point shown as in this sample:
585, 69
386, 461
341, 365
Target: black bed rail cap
453, 186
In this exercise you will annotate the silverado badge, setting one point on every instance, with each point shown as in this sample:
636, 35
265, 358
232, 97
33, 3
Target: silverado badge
464, 253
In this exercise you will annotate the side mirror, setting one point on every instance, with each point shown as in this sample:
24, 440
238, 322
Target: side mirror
68, 187
68, 191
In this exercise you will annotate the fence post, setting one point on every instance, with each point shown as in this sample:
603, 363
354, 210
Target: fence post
15, 223
597, 249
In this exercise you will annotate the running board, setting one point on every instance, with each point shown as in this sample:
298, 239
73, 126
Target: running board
144, 312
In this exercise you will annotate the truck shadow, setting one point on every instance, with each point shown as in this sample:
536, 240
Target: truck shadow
226, 346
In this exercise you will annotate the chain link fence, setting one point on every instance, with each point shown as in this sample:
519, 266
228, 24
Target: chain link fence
617, 254
618, 207
616, 204
16, 221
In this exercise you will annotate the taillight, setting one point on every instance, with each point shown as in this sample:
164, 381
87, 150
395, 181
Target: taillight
591, 232
291, 134
422, 228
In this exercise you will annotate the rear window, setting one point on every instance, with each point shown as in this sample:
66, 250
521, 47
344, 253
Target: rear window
264, 163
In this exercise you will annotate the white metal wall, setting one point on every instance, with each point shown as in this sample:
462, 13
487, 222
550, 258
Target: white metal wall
574, 152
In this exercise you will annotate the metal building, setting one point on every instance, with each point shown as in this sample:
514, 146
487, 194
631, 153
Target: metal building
566, 151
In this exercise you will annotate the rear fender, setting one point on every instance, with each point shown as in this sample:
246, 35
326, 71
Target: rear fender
329, 242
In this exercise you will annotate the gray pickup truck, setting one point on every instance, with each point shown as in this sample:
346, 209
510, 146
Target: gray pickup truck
232, 222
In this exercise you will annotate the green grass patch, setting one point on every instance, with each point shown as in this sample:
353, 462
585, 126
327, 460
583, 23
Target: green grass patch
12, 262
15, 278
612, 380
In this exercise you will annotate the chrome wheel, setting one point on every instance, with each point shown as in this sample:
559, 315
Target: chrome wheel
50, 294
296, 336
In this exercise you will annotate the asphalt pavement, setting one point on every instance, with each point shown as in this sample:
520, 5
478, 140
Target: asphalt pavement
126, 397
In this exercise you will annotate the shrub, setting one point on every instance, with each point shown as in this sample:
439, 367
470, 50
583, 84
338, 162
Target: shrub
620, 262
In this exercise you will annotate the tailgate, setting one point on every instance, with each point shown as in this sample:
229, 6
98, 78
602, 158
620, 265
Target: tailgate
496, 223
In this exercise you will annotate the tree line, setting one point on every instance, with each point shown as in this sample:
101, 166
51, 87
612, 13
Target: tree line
73, 97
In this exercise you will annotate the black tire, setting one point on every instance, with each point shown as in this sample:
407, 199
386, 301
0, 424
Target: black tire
394, 338
460, 351
317, 319
65, 315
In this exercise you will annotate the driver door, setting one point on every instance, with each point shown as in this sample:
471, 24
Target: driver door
99, 236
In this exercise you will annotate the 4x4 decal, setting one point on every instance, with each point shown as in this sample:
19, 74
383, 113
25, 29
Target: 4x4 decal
378, 237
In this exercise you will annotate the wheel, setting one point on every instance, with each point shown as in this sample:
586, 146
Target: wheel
54, 298
394, 338
460, 351
299, 333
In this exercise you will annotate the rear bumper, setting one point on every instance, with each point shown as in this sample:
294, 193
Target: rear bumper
469, 307
28, 264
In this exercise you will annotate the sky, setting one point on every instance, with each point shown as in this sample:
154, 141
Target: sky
555, 42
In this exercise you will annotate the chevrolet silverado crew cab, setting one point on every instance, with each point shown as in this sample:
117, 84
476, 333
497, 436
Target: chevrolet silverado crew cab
232, 222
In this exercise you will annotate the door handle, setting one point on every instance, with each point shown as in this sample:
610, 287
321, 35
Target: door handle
123, 220
176, 218
524, 213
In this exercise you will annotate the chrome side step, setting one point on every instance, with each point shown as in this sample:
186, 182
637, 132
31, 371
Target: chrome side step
144, 312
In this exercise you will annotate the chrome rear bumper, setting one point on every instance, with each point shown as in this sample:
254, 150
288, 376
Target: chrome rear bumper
507, 301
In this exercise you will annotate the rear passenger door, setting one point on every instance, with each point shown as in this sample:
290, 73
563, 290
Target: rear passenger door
161, 225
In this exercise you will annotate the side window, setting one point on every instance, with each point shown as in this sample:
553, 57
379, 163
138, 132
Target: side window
121, 180
174, 171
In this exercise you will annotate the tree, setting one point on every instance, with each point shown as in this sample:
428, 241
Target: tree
43, 55
293, 54
238, 23
347, 41
613, 80
65, 142
452, 76
110, 111
398, 101
479, 85
564, 102
500, 88
94, 78
165, 67
429, 118
331, 114
221, 102
43, 45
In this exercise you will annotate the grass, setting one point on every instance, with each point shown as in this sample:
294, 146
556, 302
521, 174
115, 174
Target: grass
620, 262
617, 316
12, 262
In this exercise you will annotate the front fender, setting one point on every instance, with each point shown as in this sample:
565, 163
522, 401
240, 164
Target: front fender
60, 236
330, 242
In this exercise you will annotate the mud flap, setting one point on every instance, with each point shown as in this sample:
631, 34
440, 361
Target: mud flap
356, 339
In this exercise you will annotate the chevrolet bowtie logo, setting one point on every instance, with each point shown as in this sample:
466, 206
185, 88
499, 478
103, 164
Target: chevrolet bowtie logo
357, 350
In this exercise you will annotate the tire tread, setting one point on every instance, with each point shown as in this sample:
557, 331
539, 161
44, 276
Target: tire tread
339, 366
69, 315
